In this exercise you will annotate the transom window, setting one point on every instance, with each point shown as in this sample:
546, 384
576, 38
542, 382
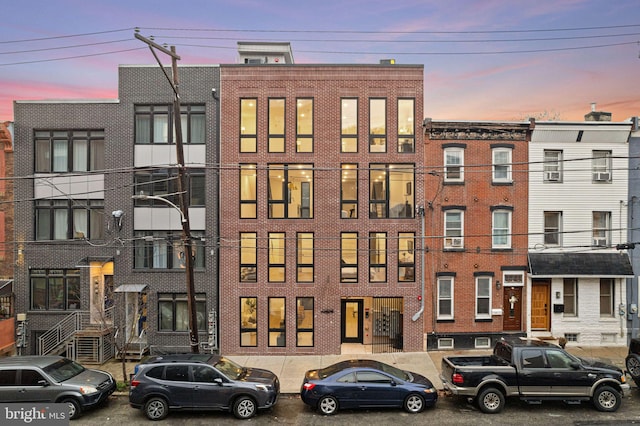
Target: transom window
61, 151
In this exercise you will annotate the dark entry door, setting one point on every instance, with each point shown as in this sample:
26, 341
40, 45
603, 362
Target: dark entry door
512, 309
351, 321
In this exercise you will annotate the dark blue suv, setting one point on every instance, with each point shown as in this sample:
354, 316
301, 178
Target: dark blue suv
201, 382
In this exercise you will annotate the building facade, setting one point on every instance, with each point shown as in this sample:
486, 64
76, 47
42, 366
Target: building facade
475, 208
7, 248
633, 235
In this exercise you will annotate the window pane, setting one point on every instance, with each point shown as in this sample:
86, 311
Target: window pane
349, 125
377, 125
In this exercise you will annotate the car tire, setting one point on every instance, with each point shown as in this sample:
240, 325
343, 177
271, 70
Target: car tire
74, 407
490, 401
328, 405
244, 407
156, 408
413, 403
633, 366
607, 399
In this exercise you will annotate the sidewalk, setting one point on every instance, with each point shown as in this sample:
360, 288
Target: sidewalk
290, 369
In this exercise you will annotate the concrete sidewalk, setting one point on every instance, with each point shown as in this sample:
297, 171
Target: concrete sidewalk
291, 368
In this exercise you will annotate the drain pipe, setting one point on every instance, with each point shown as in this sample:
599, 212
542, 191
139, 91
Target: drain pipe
420, 212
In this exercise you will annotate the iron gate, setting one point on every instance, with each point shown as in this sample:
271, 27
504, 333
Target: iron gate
387, 324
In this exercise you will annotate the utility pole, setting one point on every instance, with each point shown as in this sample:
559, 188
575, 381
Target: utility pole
182, 188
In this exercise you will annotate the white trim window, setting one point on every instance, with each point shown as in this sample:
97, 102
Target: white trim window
601, 166
570, 297
483, 297
552, 166
454, 164
552, 228
453, 229
501, 229
601, 229
502, 165
445, 297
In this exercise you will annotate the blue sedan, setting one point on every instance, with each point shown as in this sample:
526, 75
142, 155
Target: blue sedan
366, 384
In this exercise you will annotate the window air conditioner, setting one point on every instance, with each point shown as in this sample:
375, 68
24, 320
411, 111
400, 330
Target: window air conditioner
601, 176
600, 242
453, 242
552, 176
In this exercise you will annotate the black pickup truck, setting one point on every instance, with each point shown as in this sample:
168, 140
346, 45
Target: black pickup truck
534, 371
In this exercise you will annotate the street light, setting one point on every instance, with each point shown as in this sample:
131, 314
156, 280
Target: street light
164, 200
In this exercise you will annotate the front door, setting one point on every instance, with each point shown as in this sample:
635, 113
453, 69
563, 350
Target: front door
512, 309
351, 321
540, 304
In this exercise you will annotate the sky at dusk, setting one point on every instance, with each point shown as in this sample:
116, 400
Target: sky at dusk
483, 60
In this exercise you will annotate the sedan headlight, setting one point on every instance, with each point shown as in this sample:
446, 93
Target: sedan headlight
86, 390
263, 388
430, 390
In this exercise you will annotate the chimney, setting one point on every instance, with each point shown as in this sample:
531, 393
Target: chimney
594, 115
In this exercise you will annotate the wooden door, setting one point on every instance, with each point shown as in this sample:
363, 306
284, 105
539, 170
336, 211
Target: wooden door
540, 311
512, 309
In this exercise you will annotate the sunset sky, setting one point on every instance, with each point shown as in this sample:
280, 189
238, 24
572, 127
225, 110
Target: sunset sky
483, 60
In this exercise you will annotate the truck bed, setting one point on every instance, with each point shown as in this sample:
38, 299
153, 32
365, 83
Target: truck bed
476, 361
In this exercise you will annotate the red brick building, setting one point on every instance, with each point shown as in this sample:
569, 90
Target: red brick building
6, 202
476, 192
318, 230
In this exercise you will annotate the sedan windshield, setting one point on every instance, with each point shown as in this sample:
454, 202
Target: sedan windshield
63, 369
229, 368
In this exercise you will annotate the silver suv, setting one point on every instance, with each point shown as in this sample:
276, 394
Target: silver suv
54, 379
201, 382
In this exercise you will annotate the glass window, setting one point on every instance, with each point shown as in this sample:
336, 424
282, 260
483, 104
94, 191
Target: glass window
391, 193
165, 250
601, 166
377, 257
174, 313
501, 232
445, 297
164, 183
570, 291
606, 297
69, 219
453, 229
248, 125
276, 125
304, 256
248, 191
248, 321
69, 151
349, 191
305, 322
304, 125
349, 125
349, 257
552, 166
55, 289
533, 358
601, 229
406, 125
453, 164
406, 265
277, 322
277, 257
483, 297
290, 192
377, 125
502, 165
248, 257
552, 228
154, 124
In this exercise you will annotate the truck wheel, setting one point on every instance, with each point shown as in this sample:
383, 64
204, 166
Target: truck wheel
490, 400
633, 366
606, 398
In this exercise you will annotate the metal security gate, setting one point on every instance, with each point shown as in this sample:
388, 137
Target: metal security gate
387, 324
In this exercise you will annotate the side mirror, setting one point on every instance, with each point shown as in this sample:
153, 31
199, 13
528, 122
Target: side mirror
218, 380
43, 382
574, 365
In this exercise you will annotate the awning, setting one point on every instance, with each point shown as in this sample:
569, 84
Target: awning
611, 265
130, 288
86, 261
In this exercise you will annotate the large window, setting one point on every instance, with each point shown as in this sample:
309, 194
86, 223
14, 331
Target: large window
55, 289
165, 250
304, 125
248, 125
501, 232
406, 125
601, 166
502, 165
377, 257
483, 297
453, 229
154, 124
61, 151
601, 229
248, 321
174, 314
277, 321
69, 219
349, 257
454, 164
349, 191
164, 183
248, 191
553, 228
570, 291
248, 257
445, 297
276, 125
290, 192
277, 257
349, 125
552, 166
391, 193
406, 264
377, 125
304, 257
606, 297
305, 322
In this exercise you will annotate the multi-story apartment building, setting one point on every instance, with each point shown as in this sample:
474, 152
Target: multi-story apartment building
633, 236
319, 182
94, 261
577, 215
475, 210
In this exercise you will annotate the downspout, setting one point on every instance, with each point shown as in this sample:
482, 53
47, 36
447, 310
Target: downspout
420, 212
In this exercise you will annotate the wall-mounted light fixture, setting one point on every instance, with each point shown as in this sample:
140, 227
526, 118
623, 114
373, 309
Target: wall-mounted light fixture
498, 285
557, 295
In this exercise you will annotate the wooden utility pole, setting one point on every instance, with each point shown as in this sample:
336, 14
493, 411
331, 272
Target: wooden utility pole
182, 188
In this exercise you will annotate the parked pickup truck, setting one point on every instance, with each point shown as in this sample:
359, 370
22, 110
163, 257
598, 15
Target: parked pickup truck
534, 371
